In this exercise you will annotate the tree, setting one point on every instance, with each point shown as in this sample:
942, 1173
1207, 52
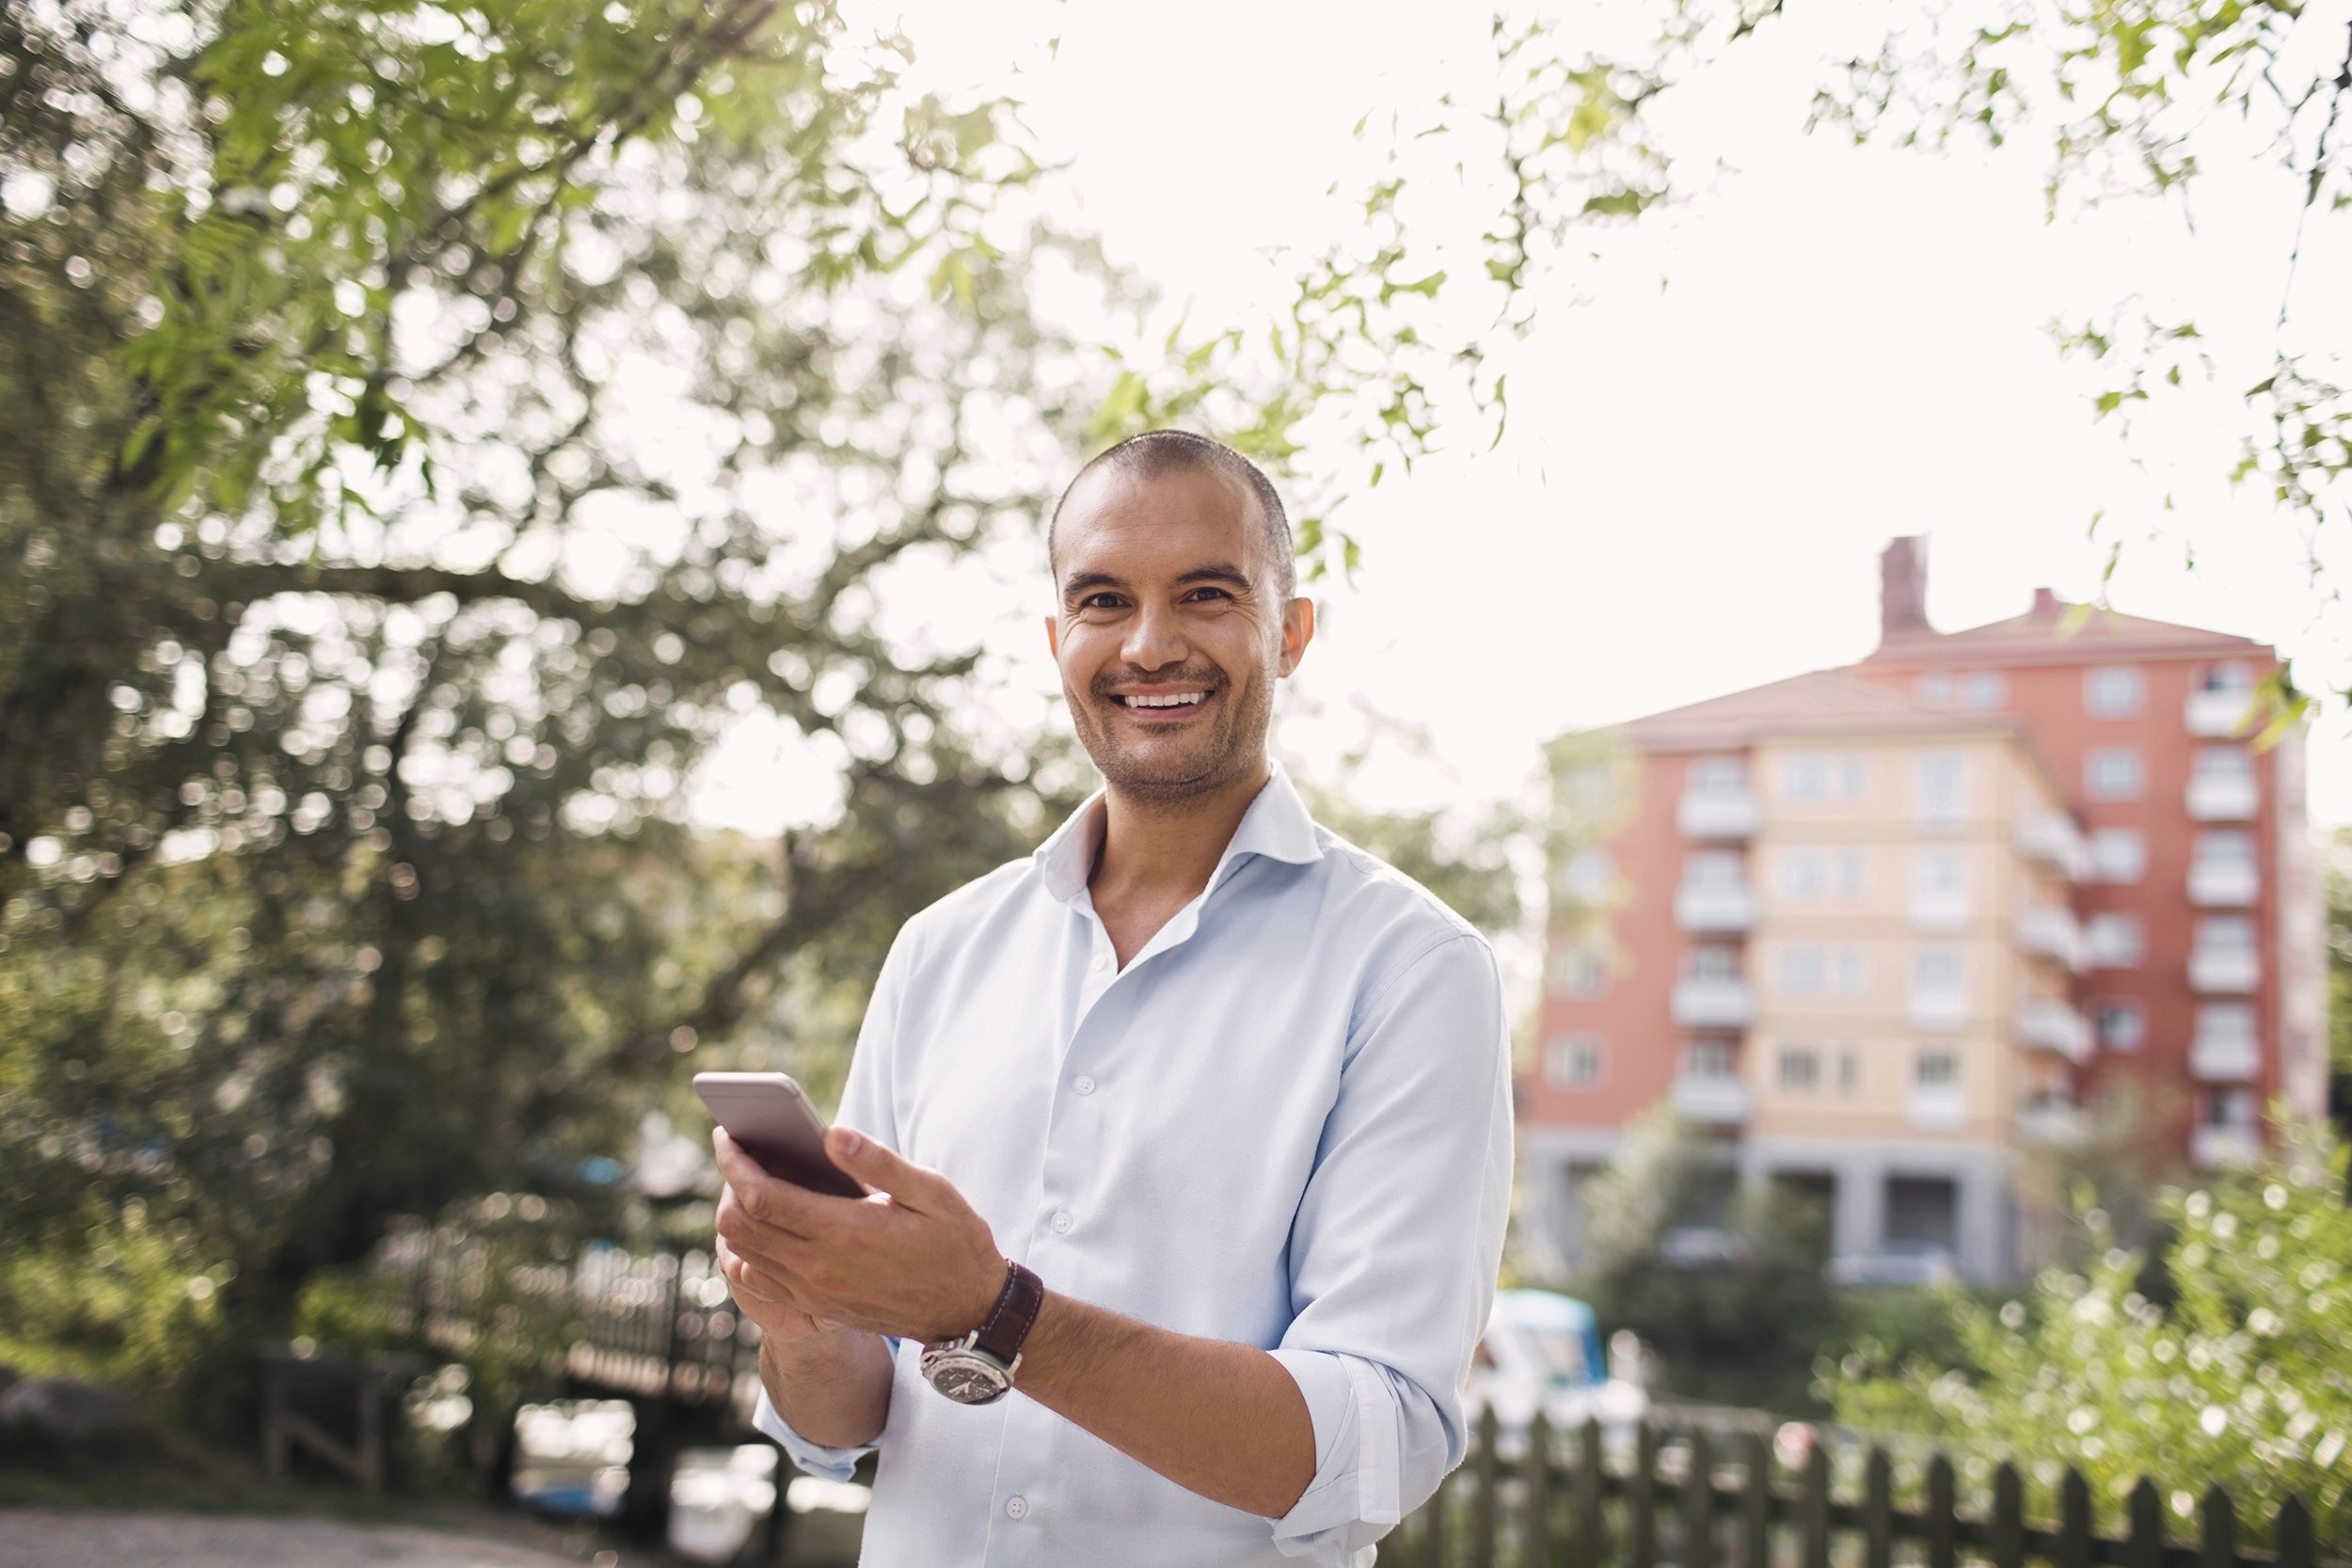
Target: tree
1724, 1283
2240, 1381
358, 632
2336, 865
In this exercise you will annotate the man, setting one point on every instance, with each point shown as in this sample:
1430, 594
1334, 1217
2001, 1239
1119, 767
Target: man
1189, 1134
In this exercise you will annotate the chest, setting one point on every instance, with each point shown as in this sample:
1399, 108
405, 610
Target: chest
1139, 1127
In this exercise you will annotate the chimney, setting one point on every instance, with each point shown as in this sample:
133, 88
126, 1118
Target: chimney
2046, 605
1904, 590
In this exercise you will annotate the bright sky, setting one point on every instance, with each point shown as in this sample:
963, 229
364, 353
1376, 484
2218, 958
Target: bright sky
1821, 347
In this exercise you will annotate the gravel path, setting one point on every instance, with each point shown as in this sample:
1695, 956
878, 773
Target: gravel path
45, 1538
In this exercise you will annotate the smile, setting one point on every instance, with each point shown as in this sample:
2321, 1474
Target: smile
1161, 700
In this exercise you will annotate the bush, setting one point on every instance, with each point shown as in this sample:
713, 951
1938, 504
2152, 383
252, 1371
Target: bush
2241, 1381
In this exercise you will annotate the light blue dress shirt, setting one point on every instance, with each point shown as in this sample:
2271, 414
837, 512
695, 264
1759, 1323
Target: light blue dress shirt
1285, 1123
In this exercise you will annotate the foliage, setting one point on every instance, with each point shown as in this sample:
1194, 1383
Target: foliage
359, 626
1740, 1324
2240, 1382
2336, 866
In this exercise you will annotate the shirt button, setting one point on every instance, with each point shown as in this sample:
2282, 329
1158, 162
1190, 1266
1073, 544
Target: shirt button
1084, 1084
1016, 1508
1102, 961
1063, 1220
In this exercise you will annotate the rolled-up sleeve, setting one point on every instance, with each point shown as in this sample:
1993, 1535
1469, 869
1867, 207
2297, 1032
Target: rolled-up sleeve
1396, 1246
865, 1104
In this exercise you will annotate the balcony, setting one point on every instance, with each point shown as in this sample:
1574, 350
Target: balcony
2224, 884
2051, 932
2224, 970
2212, 1144
2049, 1025
1718, 812
2216, 715
1715, 908
2222, 796
1938, 1009
1712, 1101
1713, 1002
2225, 1058
2052, 1123
2052, 838
1936, 1108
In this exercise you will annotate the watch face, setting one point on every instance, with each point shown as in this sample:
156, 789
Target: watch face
965, 1376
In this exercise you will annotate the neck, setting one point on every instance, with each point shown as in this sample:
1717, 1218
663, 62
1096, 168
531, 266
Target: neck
1162, 848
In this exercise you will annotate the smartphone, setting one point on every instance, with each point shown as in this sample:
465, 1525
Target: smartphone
769, 1116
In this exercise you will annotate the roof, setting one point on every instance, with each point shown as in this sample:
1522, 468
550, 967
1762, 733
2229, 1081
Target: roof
1823, 703
2056, 633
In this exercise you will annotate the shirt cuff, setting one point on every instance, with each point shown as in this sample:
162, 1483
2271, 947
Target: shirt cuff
815, 1458
1357, 1494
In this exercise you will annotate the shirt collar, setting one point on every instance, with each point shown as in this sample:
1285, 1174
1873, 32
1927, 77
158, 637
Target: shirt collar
1275, 826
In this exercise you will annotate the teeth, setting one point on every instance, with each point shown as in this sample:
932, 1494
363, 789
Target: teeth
1182, 699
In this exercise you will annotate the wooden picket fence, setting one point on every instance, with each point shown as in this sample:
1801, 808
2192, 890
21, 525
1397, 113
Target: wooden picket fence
1694, 1498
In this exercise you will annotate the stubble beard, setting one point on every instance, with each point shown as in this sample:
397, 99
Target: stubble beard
1234, 743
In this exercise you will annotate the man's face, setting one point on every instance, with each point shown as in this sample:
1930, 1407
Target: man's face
1173, 630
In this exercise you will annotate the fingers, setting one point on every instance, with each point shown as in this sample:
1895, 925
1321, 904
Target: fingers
909, 1184
776, 1203
759, 1282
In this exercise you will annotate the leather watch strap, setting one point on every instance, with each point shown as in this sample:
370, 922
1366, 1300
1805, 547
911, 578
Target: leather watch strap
1016, 1309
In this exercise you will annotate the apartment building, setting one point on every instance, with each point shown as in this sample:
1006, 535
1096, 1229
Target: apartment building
1885, 930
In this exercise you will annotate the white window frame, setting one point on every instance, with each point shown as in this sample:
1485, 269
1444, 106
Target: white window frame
2115, 692
2098, 783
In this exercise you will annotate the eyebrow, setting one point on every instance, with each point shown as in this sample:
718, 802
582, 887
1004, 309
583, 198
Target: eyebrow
1211, 571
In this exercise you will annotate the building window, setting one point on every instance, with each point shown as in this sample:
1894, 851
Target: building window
1984, 689
1573, 1062
1587, 875
2223, 846
1713, 961
1937, 1069
2114, 691
1581, 971
1848, 1072
2230, 1108
2224, 762
1708, 1059
1942, 800
2122, 1025
1718, 776
1800, 971
1938, 971
1800, 1068
1822, 776
2113, 940
1805, 873
2226, 1023
1712, 868
1849, 875
1936, 691
2225, 933
1939, 886
1854, 971
2228, 676
2114, 773
2119, 855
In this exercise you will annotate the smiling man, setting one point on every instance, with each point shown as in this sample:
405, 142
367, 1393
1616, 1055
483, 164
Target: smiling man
1190, 1135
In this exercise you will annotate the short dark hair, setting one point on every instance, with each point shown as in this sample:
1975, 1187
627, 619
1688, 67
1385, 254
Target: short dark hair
1159, 452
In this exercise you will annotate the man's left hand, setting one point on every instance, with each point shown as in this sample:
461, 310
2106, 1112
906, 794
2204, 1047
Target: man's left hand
914, 1259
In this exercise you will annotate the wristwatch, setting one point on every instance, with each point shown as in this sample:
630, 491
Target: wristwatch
978, 1368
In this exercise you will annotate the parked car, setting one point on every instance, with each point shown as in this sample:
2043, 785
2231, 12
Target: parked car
1895, 1262
1543, 1350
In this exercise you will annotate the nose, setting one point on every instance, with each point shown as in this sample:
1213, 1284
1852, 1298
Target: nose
1155, 639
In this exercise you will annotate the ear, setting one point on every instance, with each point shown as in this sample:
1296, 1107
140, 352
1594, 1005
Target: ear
1053, 635
1299, 629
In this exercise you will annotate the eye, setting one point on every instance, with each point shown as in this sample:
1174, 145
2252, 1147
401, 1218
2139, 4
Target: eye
1217, 593
1098, 601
